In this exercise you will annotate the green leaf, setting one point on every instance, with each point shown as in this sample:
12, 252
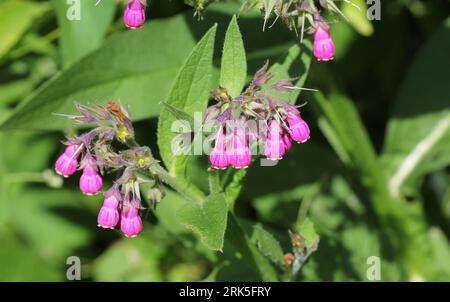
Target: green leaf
208, 219
294, 64
307, 231
233, 71
12, 27
418, 133
79, 37
268, 245
189, 94
135, 67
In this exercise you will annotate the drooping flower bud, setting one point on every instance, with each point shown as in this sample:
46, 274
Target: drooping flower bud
286, 141
156, 194
220, 157
134, 15
323, 44
90, 182
241, 156
274, 146
67, 162
298, 128
130, 221
108, 216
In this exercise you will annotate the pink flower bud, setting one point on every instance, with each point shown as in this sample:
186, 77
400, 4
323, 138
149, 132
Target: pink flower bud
298, 128
220, 156
130, 221
323, 45
108, 216
274, 146
241, 156
90, 182
67, 162
134, 16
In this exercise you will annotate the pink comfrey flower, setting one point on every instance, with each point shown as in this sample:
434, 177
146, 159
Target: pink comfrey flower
130, 221
108, 216
274, 146
241, 156
67, 162
298, 128
286, 141
90, 182
323, 44
134, 15
220, 156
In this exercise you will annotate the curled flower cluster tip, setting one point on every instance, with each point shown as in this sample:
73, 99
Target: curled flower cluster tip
94, 154
254, 121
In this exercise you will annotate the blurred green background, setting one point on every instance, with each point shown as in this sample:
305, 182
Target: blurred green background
386, 93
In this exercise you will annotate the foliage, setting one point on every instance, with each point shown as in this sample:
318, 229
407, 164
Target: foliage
372, 181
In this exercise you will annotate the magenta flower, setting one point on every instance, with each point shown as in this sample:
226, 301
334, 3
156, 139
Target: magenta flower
90, 182
274, 146
298, 128
286, 141
241, 156
67, 162
323, 44
130, 221
108, 216
220, 155
134, 15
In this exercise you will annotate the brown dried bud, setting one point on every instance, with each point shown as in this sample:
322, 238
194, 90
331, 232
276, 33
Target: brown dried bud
289, 259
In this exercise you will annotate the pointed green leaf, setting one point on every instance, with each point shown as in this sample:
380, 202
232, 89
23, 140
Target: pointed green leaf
268, 245
135, 67
307, 231
234, 63
208, 219
79, 37
418, 133
189, 94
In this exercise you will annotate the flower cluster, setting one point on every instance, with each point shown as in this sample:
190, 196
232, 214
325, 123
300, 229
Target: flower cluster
134, 15
254, 118
94, 153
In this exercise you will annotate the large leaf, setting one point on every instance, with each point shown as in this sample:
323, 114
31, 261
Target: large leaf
79, 37
12, 27
233, 72
135, 67
189, 94
418, 134
208, 219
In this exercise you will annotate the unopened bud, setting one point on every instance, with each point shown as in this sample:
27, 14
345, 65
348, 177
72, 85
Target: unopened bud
289, 259
155, 195
297, 240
